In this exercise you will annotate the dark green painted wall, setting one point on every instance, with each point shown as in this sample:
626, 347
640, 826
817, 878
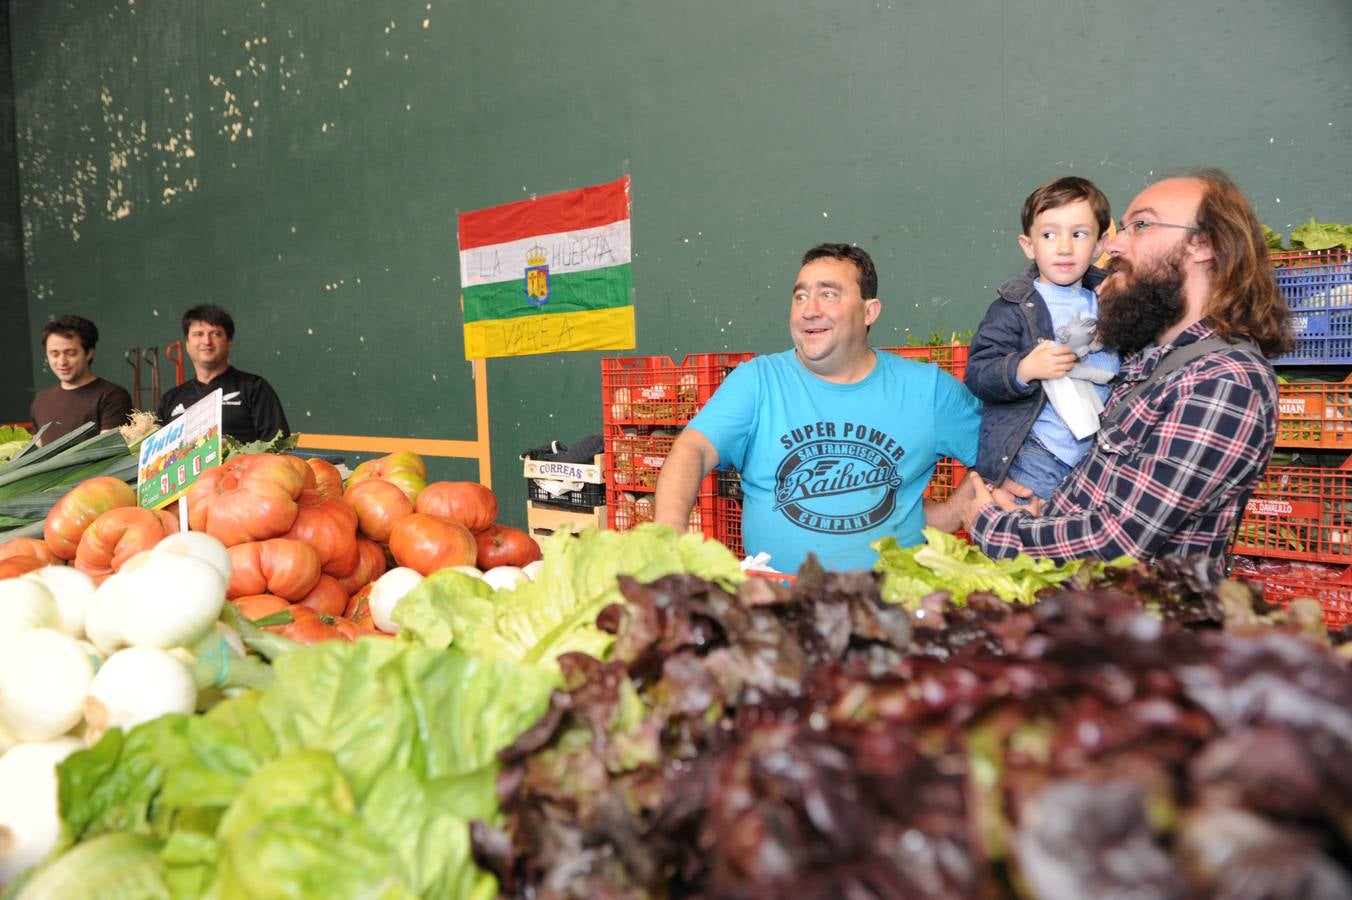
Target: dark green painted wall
301, 163
16, 356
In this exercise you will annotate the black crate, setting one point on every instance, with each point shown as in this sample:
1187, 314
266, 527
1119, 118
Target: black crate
590, 497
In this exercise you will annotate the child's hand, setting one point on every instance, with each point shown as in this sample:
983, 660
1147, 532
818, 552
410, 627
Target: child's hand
1047, 359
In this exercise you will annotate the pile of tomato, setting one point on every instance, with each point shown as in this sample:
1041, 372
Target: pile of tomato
300, 539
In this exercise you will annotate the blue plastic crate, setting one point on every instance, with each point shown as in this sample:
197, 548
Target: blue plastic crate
1317, 285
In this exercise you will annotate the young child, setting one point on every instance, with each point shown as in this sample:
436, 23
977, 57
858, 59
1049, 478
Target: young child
1014, 349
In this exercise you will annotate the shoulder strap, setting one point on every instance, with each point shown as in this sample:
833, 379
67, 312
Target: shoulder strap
1176, 359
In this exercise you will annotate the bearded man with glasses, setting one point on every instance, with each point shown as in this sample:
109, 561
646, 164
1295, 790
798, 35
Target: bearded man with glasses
1191, 304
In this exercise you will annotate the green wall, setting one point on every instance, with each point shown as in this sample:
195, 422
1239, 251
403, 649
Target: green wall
301, 163
16, 355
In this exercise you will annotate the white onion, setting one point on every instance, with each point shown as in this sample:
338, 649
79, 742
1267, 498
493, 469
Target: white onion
136, 685
386, 593
200, 545
26, 603
73, 591
30, 820
504, 578
44, 675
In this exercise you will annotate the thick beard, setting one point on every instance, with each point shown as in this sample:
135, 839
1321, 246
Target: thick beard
1137, 306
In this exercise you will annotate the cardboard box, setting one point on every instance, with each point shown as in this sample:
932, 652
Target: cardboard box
544, 520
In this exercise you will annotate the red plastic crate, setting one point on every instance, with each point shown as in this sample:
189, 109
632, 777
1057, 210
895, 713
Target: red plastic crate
1299, 513
649, 390
1330, 586
952, 358
728, 524
1315, 414
634, 457
948, 474
625, 509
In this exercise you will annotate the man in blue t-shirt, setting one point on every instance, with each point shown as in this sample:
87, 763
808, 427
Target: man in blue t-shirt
835, 441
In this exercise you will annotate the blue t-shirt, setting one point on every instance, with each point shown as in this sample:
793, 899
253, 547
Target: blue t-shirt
1067, 303
828, 468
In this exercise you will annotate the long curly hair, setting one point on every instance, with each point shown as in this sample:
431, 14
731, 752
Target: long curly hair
1244, 297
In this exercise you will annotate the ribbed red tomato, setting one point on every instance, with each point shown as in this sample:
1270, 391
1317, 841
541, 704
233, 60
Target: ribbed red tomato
72, 514
326, 597
359, 609
14, 566
33, 547
249, 498
379, 504
328, 480
329, 526
259, 606
307, 474
281, 566
370, 566
405, 469
426, 543
466, 503
118, 535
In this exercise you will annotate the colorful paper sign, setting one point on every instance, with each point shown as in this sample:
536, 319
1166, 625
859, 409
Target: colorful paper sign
176, 455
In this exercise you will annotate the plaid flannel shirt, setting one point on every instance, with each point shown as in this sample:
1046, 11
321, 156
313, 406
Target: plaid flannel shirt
1167, 476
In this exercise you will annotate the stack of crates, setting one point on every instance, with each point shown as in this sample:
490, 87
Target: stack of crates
576, 510
1295, 538
948, 473
646, 401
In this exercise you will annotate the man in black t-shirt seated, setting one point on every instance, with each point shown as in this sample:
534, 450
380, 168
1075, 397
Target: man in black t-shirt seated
250, 410
79, 396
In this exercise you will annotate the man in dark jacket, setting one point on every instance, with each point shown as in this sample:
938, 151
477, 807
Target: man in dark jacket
250, 410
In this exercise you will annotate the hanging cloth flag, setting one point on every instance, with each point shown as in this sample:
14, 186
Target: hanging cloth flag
548, 274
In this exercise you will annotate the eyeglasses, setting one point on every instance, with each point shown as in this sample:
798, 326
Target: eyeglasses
1141, 226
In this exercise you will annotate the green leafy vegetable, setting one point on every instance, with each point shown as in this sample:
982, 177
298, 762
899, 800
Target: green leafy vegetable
120, 866
538, 621
276, 444
13, 439
1321, 235
945, 563
355, 774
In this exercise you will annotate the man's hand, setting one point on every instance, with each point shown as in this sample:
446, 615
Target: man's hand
947, 515
1006, 497
1046, 360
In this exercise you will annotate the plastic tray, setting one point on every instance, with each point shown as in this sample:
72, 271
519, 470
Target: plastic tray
1299, 513
1317, 285
647, 390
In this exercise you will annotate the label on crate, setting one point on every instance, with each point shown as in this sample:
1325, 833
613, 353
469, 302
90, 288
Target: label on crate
564, 471
653, 462
1300, 406
1263, 506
